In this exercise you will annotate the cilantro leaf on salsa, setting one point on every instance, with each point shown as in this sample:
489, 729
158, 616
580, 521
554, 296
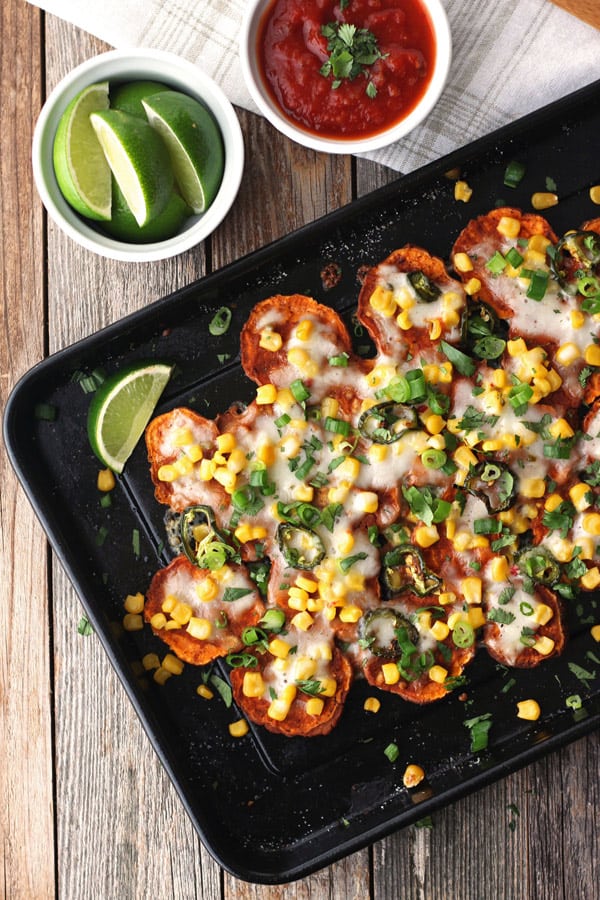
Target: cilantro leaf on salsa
351, 51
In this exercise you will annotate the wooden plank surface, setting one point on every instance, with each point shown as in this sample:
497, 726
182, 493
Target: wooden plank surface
86, 809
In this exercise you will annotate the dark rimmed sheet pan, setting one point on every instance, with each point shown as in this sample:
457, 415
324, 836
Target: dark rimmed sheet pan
272, 809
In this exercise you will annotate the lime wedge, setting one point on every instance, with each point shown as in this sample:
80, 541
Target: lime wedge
120, 410
195, 145
138, 159
123, 226
80, 167
128, 97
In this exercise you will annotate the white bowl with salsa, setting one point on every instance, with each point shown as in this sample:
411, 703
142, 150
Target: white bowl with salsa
345, 76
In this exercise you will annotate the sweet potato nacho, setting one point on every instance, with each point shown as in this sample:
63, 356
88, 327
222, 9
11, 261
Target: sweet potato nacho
386, 518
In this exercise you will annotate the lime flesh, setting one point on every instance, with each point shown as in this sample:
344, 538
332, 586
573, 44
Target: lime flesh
120, 410
138, 160
195, 145
81, 170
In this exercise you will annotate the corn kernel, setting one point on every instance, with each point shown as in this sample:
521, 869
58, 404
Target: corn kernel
226, 478
328, 686
253, 684
528, 709
591, 579
372, 705
304, 668
350, 614
543, 200
367, 502
183, 465
508, 226
134, 603
462, 262
465, 457
404, 320
266, 394
181, 613
133, 622
158, 621
592, 355
440, 630
413, 775
150, 661
476, 617
426, 535
172, 664
304, 329
382, 300
587, 547
438, 674
349, 469
204, 691
471, 588
581, 496
595, 632
532, 488
161, 675
462, 191
567, 354
591, 524
544, 646
279, 648
199, 628
207, 589
303, 620
472, 287
106, 480
499, 568
563, 550
314, 706
391, 673
542, 614
435, 329
238, 729
167, 473
446, 598
456, 617
462, 541
270, 340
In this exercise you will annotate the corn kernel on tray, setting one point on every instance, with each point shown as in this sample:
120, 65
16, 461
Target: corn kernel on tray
345, 788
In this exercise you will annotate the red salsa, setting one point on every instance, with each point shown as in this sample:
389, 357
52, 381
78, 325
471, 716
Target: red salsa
298, 38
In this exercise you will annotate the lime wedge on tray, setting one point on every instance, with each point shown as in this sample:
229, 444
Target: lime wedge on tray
195, 145
138, 159
80, 167
120, 410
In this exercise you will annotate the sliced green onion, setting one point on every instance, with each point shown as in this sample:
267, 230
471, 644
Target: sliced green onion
45, 412
392, 752
496, 264
574, 702
514, 258
300, 393
283, 420
537, 285
417, 385
513, 174
398, 389
273, 620
220, 322
347, 563
337, 426
340, 360
487, 526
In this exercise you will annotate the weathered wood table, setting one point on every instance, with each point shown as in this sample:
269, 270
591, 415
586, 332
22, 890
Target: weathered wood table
86, 809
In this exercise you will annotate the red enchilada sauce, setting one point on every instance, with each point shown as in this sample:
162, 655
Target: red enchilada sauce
293, 50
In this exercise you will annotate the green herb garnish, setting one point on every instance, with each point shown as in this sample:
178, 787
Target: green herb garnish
351, 51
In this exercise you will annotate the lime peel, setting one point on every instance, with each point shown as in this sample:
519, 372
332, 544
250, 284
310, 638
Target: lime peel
121, 409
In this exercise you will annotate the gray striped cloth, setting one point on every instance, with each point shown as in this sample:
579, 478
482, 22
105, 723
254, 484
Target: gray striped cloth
510, 57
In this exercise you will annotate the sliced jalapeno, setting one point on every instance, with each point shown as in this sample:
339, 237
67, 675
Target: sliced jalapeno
379, 630
577, 253
301, 547
483, 333
494, 483
424, 287
404, 570
201, 540
386, 422
538, 564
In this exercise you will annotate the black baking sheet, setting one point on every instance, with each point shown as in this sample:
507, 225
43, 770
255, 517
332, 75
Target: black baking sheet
272, 809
